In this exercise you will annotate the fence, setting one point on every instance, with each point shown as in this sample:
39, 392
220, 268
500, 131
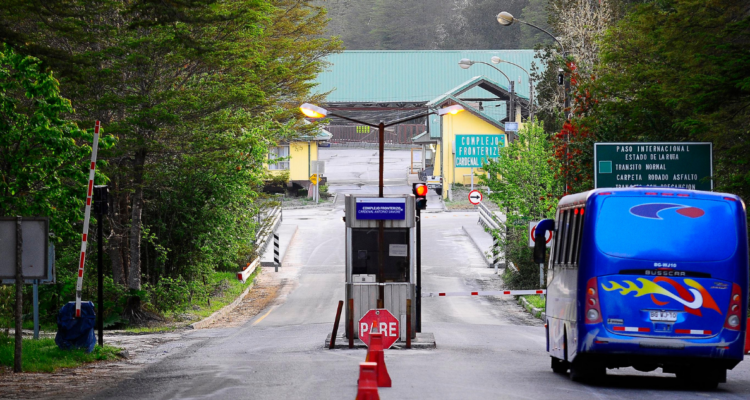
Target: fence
399, 134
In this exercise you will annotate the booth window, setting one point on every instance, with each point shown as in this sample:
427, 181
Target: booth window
365, 253
275, 153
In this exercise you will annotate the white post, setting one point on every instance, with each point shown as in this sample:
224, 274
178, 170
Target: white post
472, 178
86, 215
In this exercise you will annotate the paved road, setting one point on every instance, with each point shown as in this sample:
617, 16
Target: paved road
486, 347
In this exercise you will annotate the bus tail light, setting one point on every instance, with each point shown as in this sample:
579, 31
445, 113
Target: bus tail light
593, 310
734, 313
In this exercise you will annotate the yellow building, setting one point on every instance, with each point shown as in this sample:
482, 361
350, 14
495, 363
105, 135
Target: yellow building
298, 154
472, 121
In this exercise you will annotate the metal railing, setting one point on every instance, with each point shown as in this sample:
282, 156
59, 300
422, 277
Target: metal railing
488, 219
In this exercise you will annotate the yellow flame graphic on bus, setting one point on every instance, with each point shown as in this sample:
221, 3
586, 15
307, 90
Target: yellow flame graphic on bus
698, 292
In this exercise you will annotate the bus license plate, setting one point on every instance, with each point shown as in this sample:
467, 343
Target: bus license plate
669, 316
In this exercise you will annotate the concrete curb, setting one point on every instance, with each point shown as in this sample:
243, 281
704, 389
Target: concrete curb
224, 310
320, 205
531, 309
476, 246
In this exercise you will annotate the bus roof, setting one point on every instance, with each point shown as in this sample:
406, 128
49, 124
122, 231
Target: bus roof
581, 198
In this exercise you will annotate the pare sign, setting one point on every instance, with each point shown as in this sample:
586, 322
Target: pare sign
386, 323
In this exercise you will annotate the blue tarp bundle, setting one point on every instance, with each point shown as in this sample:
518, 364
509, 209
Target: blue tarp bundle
76, 333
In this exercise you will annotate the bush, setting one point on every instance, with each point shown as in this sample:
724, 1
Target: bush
522, 256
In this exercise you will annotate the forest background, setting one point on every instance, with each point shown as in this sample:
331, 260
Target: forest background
192, 93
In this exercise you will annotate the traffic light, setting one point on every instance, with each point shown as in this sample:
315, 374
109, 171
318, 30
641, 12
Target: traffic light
420, 192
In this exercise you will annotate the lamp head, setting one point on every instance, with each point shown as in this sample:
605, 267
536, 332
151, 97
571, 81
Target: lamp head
496, 60
453, 110
313, 111
465, 63
505, 18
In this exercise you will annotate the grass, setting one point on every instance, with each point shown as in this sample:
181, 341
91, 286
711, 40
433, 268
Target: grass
227, 296
535, 300
43, 355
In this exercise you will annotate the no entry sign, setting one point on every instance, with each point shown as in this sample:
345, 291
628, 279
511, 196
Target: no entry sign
385, 321
532, 234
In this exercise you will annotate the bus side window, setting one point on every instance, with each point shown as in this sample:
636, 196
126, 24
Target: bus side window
579, 237
572, 231
565, 238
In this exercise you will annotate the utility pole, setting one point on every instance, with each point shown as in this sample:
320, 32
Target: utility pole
100, 208
18, 354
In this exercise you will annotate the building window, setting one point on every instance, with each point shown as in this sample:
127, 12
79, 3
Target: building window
275, 153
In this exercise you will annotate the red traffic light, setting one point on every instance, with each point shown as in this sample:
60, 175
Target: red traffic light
420, 190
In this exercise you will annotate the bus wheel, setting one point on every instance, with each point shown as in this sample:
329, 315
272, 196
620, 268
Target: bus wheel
559, 366
580, 372
702, 379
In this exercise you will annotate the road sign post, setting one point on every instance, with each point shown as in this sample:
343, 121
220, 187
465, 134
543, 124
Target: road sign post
683, 165
386, 323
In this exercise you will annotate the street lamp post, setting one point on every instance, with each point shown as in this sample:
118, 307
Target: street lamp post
506, 19
497, 60
465, 63
313, 111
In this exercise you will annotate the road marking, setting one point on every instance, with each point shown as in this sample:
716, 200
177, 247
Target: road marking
264, 315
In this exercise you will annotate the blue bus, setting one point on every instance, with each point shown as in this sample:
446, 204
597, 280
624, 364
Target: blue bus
648, 278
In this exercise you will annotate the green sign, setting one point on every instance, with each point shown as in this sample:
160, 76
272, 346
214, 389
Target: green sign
683, 165
473, 150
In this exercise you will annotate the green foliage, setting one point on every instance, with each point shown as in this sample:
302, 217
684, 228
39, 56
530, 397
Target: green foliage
535, 300
43, 355
522, 179
678, 70
195, 92
42, 155
524, 186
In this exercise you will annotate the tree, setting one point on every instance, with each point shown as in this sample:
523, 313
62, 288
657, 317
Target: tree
43, 156
473, 26
524, 184
165, 77
678, 70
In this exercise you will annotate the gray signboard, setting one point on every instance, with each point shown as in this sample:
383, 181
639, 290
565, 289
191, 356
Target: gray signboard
682, 165
34, 260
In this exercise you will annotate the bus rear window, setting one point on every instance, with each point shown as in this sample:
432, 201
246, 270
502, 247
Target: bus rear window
666, 229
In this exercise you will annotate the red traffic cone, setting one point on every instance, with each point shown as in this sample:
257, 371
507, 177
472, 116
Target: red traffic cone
375, 355
367, 388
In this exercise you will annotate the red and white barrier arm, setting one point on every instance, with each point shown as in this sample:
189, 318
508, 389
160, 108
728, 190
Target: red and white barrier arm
485, 293
87, 214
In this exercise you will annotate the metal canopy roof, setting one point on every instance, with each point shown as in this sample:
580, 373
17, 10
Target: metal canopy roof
414, 76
